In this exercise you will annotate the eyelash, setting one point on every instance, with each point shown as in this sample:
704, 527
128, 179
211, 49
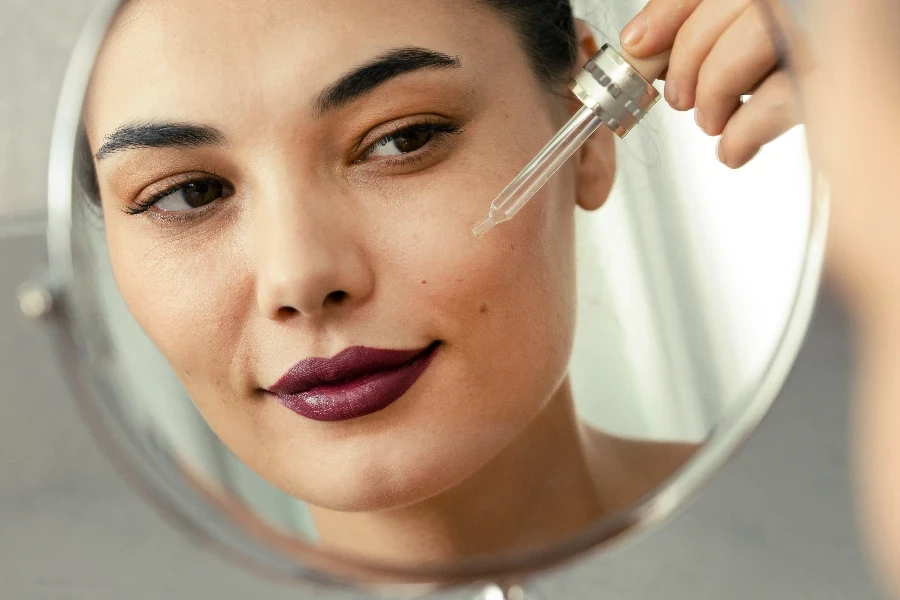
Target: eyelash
436, 128
143, 206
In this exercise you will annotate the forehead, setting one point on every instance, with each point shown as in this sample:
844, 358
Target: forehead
228, 54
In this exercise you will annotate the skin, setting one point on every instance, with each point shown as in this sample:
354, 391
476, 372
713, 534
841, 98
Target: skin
858, 150
320, 246
860, 155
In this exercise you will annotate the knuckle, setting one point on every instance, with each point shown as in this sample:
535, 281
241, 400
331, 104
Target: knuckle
685, 48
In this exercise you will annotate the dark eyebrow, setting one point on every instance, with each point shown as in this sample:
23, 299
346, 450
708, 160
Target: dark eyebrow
159, 135
366, 78
350, 87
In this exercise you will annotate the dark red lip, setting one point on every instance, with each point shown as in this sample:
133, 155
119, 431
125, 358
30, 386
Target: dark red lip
357, 382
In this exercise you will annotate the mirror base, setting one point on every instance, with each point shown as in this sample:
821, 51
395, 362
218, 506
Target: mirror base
505, 592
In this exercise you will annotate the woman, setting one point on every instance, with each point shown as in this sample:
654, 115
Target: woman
288, 190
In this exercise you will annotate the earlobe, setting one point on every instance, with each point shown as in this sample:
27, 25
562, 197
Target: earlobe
596, 170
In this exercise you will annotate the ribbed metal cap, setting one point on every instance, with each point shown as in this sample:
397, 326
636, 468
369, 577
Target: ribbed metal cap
612, 88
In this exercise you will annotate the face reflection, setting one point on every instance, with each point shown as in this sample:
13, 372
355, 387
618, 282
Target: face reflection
263, 206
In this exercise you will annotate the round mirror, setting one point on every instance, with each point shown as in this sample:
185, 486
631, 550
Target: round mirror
275, 315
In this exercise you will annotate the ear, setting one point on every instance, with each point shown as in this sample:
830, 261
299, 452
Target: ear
596, 160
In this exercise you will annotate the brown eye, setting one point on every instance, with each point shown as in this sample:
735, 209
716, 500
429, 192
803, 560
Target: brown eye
403, 142
413, 140
191, 195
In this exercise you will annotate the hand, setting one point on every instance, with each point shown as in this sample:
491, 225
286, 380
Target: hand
721, 50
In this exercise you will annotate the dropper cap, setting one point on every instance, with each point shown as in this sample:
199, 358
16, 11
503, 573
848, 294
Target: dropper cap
615, 90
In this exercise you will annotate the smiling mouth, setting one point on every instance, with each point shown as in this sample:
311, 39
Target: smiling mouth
357, 382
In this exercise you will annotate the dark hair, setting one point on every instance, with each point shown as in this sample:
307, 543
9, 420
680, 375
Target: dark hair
546, 30
547, 33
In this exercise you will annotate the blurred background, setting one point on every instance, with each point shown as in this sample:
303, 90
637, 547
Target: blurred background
777, 523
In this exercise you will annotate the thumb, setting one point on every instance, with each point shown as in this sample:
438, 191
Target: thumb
654, 29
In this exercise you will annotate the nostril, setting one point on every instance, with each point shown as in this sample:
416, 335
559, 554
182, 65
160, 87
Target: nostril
335, 297
285, 312
288, 311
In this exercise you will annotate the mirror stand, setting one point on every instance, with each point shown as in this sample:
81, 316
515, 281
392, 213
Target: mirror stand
507, 591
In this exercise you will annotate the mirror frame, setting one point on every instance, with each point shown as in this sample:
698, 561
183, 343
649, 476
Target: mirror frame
152, 475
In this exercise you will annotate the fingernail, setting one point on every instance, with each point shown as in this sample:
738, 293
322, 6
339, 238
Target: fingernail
719, 153
672, 94
698, 118
634, 31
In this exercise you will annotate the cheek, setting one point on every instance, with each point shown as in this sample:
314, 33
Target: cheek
522, 269
189, 302
506, 300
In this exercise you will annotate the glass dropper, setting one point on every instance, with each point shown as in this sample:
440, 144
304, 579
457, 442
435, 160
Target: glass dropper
544, 166
614, 93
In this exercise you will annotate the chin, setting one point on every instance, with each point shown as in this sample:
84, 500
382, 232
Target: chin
380, 487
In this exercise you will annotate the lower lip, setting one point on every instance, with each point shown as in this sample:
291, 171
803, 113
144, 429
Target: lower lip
360, 397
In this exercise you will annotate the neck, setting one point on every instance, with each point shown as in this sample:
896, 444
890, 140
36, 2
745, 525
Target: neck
536, 491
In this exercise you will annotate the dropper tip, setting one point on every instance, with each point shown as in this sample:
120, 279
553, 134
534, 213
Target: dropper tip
483, 227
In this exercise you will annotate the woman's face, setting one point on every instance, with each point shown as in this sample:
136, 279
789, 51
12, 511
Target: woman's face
309, 225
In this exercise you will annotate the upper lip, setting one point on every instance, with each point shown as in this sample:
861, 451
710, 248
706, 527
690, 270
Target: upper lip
349, 364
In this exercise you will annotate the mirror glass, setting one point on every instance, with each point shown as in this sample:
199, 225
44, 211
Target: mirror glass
281, 320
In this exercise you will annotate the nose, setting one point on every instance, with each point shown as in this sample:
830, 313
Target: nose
309, 263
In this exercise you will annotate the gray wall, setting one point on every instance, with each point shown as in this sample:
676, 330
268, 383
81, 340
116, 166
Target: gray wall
777, 523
